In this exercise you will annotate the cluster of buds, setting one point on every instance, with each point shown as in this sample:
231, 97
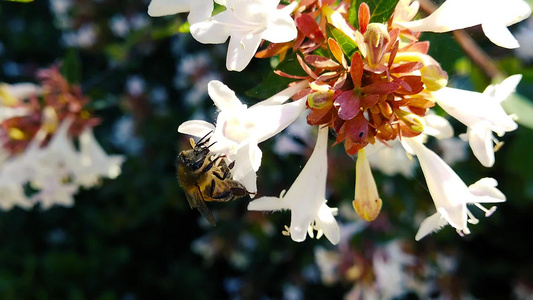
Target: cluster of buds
44, 106
40, 163
372, 84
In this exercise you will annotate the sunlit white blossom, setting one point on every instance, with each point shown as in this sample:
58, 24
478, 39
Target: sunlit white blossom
494, 17
450, 193
482, 113
240, 129
56, 170
246, 23
199, 10
94, 163
306, 198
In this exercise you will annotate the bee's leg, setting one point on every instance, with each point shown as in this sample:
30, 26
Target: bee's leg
211, 164
239, 192
226, 171
212, 188
208, 167
224, 196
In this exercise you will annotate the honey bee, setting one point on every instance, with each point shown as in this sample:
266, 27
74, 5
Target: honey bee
204, 177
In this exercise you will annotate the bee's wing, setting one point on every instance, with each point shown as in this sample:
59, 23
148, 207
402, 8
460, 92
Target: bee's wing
197, 201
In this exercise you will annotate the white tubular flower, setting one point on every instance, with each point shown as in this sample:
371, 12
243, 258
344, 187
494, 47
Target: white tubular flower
306, 198
94, 162
481, 113
494, 17
13, 195
199, 10
450, 193
55, 191
246, 22
239, 129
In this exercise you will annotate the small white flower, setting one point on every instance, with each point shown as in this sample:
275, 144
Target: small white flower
493, 15
390, 159
199, 10
94, 163
239, 129
54, 191
481, 113
306, 198
246, 22
450, 193
13, 195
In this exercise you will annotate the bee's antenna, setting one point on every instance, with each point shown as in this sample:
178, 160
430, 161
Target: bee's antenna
204, 139
211, 144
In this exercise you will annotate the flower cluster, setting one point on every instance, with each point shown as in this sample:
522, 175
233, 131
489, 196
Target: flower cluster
370, 82
40, 163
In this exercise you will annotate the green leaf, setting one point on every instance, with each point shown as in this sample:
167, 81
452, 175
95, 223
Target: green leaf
380, 10
347, 45
273, 83
21, 1
71, 67
521, 107
352, 13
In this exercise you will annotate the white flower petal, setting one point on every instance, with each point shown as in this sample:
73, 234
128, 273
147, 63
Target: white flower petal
327, 223
451, 15
198, 128
494, 16
223, 97
267, 204
199, 10
431, 224
281, 28
210, 31
244, 171
504, 89
480, 140
270, 120
486, 188
158, 8
446, 188
498, 33
241, 49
